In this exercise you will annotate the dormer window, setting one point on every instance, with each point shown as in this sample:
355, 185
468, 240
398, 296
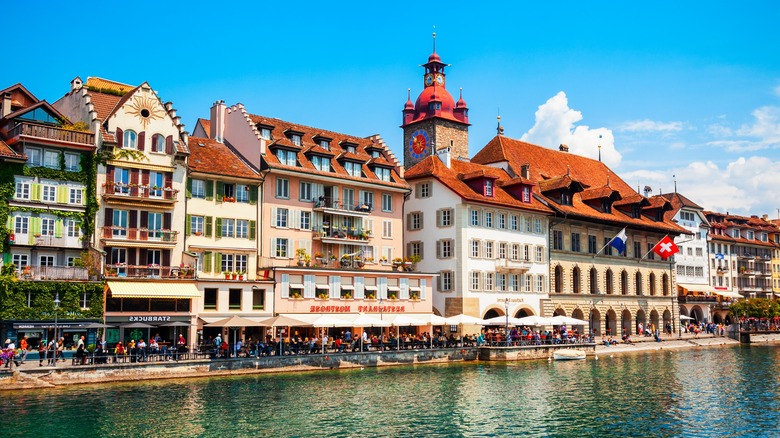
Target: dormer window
325, 144
735, 234
321, 163
750, 235
288, 158
295, 139
526, 194
434, 106
382, 173
352, 168
351, 149
636, 211
606, 206
764, 237
565, 198
375, 154
265, 133
489, 188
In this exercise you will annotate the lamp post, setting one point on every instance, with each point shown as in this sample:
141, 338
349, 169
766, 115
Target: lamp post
506, 325
54, 343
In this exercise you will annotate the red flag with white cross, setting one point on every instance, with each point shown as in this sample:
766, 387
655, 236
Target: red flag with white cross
666, 248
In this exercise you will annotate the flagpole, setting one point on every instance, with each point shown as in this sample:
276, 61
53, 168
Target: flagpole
608, 243
653, 248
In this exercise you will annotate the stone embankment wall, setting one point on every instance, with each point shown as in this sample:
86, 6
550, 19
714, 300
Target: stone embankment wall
529, 353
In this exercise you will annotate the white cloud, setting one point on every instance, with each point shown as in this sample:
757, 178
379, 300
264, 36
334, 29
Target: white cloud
740, 187
650, 126
763, 133
777, 91
556, 124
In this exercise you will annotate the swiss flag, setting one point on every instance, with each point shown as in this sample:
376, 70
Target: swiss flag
666, 248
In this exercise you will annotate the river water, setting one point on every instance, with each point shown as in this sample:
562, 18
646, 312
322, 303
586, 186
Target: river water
730, 391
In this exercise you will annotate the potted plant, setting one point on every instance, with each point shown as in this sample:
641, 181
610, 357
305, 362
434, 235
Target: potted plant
198, 233
346, 295
359, 262
398, 262
411, 262
322, 296
370, 296
234, 275
414, 296
241, 275
307, 260
344, 261
392, 296
111, 272
301, 254
227, 275
383, 260
296, 295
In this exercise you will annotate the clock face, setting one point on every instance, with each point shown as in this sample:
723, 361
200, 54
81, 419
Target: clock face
440, 79
418, 143
428, 79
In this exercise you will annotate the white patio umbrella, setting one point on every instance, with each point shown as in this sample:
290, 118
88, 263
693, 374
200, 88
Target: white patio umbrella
534, 320
501, 320
568, 320
364, 320
408, 321
283, 321
686, 318
464, 320
329, 321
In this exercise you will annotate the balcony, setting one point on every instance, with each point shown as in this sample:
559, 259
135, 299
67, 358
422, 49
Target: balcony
697, 299
342, 208
47, 241
336, 235
34, 130
154, 238
35, 273
509, 265
122, 270
722, 270
119, 192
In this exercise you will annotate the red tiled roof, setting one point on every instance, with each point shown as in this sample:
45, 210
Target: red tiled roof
600, 193
557, 183
104, 103
432, 167
213, 157
549, 164
6, 151
206, 124
279, 127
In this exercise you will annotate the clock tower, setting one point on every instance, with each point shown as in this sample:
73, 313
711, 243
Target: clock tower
435, 121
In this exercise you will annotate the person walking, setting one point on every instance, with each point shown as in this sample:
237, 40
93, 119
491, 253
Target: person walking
23, 346
42, 351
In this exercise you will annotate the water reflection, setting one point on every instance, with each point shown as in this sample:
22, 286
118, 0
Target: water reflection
712, 392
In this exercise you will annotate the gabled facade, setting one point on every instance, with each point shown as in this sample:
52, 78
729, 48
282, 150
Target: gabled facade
743, 251
48, 174
483, 232
330, 224
588, 280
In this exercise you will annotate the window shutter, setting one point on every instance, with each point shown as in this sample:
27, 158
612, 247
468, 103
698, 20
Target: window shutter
218, 227
422, 221
132, 221
144, 219
120, 138
404, 285
141, 140
422, 250
438, 249
83, 196
166, 257
252, 230
438, 218
58, 228
220, 191
273, 216
169, 145
145, 177
253, 195
408, 222
35, 192
417, 190
285, 286
206, 262
207, 231
209, 189
439, 282
218, 263
359, 288
167, 221
108, 218
188, 225
423, 288
294, 219
63, 192
188, 192
308, 286
382, 287
408, 249
335, 286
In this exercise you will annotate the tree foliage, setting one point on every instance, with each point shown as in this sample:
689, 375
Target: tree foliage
35, 299
755, 308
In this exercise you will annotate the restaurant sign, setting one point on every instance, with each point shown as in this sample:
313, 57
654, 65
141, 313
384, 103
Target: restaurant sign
361, 309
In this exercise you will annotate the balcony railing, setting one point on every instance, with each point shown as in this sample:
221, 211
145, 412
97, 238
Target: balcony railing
348, 235
115, 190
149, 271
53, 273
51, 133
329, 204
140, 234
509, 265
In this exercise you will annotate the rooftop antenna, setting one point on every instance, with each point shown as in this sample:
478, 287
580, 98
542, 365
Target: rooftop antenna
674, 178
599, 148
499, 128
434, 38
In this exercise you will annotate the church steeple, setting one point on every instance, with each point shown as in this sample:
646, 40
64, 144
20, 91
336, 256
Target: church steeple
435, 121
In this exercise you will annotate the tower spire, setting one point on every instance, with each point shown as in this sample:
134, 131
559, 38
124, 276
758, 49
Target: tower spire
434, 38
599, 148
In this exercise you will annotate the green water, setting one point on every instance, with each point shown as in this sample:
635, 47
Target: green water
710, 392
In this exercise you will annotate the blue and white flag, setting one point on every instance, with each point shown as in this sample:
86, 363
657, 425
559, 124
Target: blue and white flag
619, 242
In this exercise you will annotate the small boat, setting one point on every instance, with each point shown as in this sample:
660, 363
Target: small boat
568, 354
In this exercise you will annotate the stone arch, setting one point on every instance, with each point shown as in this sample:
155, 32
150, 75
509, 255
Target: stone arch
576, 280
697, 313
558, 278
625, 321
611, 321
638, 283
717, 318
654, 318
594, 281
640, 319
436, 312
623, 282
652, 284
595, 321
523, 312
493, 312
609, 280
668, 321
559, 312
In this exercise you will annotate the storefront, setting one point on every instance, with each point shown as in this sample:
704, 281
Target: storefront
38, 330
142, 309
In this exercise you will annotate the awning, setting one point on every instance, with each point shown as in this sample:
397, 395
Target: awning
296, 286
415, 289
321, 286
369, 287
728, 294
347, 287
152, 289
697, 287
393, 288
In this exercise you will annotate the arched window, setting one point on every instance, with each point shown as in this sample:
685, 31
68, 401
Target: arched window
638, 283
594, 281
158, 143
624, 283
558, 279
652, 284
130, 140
665, 284
576, 280
609, 280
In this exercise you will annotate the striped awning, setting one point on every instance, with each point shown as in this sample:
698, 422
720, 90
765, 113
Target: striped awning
152, 289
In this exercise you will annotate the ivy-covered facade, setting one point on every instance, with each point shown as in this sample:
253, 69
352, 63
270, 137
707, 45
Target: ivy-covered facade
47, 188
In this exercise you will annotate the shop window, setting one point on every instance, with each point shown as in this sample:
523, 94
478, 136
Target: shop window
210, 299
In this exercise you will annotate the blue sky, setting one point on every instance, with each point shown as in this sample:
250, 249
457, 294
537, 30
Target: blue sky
690, 89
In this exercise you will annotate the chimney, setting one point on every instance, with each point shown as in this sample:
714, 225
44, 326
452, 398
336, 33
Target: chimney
6, 104
445, 156
765, 217
75, 84
217, 126
525, 171
563, 148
